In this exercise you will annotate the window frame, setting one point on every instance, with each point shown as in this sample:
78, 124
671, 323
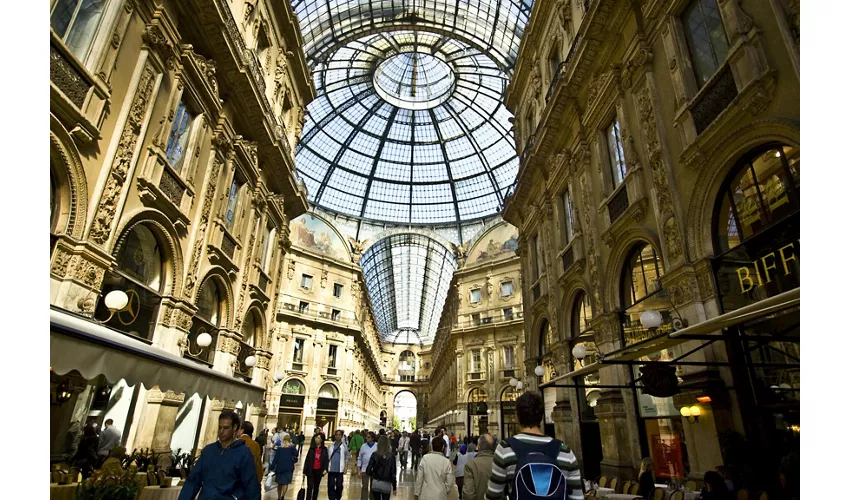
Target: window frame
309, 279
688, 39
338, 286
333, 351
614, 171
95, 47
502, 288
303, 307
190, 133
568, 219
472, 294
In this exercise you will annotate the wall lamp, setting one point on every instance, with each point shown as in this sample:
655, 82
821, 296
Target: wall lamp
203, 340
691, 413
579, 353
116, 301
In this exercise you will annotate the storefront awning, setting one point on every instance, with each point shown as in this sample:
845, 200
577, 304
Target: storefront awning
710, 327
92, 349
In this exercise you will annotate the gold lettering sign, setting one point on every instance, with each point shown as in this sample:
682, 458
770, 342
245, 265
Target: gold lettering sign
764, 269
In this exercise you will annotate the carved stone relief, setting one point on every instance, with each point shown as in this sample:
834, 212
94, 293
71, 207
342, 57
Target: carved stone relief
206, 208
109, 200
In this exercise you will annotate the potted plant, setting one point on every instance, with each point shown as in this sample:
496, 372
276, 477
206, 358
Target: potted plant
109, 484
180, 461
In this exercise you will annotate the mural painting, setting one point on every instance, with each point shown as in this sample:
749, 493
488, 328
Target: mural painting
313, 234
500, 242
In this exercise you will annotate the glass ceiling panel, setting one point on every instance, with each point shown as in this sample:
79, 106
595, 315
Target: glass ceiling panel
402, 111
407, 278
493, 26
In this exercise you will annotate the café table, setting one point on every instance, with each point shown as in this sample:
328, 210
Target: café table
157, 493
63, 491
620, 496
600, 492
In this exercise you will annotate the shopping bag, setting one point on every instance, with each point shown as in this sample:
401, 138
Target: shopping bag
302, 494
270, 481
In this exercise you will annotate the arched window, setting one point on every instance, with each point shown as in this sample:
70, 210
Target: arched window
547, 338
554, 60
293, 386
641, 291
207, 320
762, 190
581, 334
329, 391
251, 328
210, 302
509, 394
478, 395
139, 274
757, 227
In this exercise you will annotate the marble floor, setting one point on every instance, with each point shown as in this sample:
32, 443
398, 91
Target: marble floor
351, 486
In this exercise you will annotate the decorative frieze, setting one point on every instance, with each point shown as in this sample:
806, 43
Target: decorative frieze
200, 236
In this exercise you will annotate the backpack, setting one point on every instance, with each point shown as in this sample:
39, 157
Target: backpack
538, 475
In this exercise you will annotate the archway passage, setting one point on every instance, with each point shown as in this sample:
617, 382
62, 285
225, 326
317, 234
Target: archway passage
404, 411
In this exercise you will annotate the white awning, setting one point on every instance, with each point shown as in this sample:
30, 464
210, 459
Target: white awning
713, 326
92, 349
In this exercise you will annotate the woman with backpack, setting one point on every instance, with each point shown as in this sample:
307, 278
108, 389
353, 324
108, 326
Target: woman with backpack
382, 470
315, 466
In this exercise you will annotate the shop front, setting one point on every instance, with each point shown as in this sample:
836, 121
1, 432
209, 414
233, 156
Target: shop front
290, 412
507, 409
327, 409
476, 413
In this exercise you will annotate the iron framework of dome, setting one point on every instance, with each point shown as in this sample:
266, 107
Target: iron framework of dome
408, 128
408, 278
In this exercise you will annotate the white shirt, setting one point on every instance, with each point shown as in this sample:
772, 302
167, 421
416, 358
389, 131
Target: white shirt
448, 448
404, 444
364, 455
340, 457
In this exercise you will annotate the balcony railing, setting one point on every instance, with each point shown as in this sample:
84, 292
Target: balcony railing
497, 317
618, 204
567, 258
338, 317
331, 371
508, 373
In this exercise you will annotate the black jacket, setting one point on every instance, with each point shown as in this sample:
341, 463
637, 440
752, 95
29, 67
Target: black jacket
382, 468
414, 442
308, 460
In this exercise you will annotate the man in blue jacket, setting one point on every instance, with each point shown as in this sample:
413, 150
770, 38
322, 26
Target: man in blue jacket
225, 469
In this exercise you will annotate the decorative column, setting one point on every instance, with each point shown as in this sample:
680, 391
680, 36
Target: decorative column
615, 408
158, 419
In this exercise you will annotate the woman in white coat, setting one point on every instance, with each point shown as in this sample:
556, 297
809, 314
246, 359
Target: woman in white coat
435, 476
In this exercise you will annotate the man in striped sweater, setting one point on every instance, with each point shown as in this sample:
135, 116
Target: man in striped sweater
529, 408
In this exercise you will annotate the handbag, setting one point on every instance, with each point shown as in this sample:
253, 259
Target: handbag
270, 481
302, 493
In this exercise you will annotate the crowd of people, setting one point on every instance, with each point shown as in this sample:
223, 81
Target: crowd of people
480, 467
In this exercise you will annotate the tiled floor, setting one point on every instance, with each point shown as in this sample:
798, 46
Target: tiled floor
351, 486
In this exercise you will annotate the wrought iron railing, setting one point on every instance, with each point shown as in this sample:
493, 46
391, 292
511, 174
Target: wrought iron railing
567, 258
490, 319
228, 246
618, 205
714, 99
335, 316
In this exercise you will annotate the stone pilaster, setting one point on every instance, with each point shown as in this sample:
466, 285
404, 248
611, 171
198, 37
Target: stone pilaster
76, 275
619, 447
211, 435
158, 420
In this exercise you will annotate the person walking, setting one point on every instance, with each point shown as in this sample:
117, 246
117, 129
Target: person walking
476, 473
225, 468
85, 459
529, 447
315, 466
354, 445
403, 449
110, 437
283, 465
338, 458
453, 441
646, 478
434, 477
415, 444
460, 461
394, 439
448, 450
245, 433
382, 470
300, 442
363, 458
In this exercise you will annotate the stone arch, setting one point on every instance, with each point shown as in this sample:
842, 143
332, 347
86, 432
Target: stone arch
71, 176
717, 164
412, 230
218, 274
163, 229
297, 379
616, 260
568, 301
534, 338
474, 389
256, 307
331, 384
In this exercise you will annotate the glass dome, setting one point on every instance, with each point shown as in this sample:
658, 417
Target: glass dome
408, 127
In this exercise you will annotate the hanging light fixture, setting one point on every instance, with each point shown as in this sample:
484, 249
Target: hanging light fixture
513, 382
580, 352
250, 361
691, 413
539, 370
